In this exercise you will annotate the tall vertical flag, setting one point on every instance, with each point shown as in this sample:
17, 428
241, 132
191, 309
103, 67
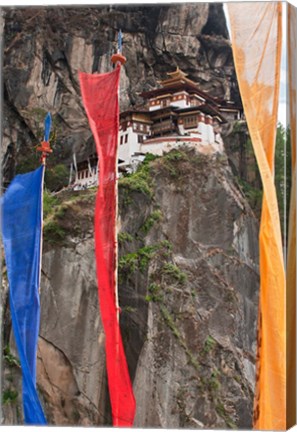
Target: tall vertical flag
256, 44
21, 232
291, 261
100, 98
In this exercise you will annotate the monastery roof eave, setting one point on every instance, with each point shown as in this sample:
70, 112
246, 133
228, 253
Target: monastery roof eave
206, 109
135, 111
190, 87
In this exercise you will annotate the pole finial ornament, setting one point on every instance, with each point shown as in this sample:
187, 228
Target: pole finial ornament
45, 148
118, 57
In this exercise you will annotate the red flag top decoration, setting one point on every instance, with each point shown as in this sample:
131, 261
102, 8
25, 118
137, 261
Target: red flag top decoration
100, 98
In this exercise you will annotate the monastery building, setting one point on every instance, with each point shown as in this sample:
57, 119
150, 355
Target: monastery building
175, 114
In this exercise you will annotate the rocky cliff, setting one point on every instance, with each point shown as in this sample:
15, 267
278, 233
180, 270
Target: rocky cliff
44, 48
188, 267
188, 286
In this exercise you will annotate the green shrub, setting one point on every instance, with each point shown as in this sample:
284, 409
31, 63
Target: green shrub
9, 396
10, 358
141, 180
124, 237
154, 293
155, 216
213, 381
175, 273
171, 324
169, 162
175, 155
129, 309
56, 177
209, 344
128, 263
139, 260
49, 203
166, 244
220, 409
253, 195
145, 254
53, 232
149, 157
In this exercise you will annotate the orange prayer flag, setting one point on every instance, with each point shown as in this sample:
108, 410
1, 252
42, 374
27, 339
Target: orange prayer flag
256, 44
291, 262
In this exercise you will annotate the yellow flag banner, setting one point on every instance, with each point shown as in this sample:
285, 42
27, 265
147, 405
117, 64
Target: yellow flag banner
291, 262
256, 44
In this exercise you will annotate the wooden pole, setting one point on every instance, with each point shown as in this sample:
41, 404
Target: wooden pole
117, 59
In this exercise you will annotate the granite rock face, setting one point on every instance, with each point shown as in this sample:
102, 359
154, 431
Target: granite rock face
196, 365
188, 289
45, 48
71, 362
188, 256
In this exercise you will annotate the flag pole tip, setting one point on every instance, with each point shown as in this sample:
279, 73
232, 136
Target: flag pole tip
118, 57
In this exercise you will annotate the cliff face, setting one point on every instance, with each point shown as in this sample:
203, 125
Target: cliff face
188, 275
44, 48
195, 366
188, 283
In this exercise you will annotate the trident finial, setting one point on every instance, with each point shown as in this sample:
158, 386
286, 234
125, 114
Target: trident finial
45, 145
120, 41
118, 57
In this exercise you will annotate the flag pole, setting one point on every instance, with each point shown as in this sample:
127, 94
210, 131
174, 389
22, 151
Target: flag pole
45, 150
118, 60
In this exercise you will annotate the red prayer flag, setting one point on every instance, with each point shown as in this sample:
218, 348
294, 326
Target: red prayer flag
100, 98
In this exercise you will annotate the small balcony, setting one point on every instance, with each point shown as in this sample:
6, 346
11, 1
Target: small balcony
162, 127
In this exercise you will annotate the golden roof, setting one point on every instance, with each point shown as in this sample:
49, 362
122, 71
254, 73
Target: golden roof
176, 77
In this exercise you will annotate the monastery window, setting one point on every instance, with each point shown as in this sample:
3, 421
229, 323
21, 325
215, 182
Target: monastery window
140, 139
121, 141
126, 138
141, 127
190, 121
180, 97
82, 175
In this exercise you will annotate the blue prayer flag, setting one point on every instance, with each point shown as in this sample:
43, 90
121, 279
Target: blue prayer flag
21, 231
47, 126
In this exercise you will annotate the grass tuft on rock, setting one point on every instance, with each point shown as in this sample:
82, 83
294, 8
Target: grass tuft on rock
175, 273
141, 180
9, 396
